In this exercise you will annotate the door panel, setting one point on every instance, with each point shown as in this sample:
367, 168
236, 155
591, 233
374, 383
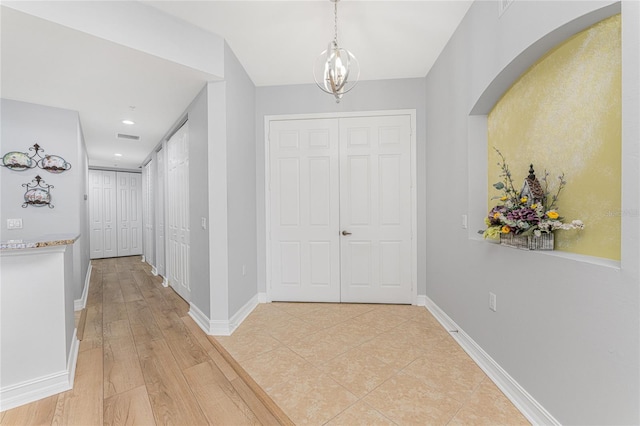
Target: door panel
304, 212
102, 214
375, 169
177, 220
159, 214
129, 220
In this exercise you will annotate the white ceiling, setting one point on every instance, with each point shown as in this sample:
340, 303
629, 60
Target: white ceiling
276, 41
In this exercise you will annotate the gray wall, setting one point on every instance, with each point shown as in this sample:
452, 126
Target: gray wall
241, 182
57, 131
198, 115
366, 96
82, 253
567, 327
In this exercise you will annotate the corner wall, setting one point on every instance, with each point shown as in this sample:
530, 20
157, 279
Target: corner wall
240, 96
567, 327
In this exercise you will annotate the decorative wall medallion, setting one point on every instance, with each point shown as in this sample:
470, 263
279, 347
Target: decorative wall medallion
54, 164
21, 161
15, 160
38, 194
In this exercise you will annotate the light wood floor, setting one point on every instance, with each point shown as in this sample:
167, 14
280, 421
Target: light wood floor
143, 361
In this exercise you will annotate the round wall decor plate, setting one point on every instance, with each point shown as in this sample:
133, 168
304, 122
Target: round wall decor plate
37, 197
17, 161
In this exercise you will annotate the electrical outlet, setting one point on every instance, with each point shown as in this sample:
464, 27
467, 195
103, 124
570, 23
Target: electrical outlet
14, 223
493, 302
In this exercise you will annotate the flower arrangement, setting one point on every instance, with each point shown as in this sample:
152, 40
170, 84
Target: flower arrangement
531, 212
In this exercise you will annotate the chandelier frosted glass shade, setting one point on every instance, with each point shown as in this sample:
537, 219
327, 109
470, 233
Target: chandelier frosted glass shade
336, 71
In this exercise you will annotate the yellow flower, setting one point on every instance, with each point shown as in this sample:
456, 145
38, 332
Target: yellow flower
523, 199
503, 198
534, 206
505, 229
552, 214
496, 215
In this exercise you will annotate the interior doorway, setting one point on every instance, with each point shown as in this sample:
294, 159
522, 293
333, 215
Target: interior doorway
341, 208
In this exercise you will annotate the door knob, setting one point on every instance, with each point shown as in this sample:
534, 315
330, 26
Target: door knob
346, 233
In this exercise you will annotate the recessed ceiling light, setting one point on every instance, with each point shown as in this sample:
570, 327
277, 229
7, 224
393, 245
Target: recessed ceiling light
128, 122
117, 155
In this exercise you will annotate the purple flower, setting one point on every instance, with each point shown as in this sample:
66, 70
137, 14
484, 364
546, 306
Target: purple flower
525, 214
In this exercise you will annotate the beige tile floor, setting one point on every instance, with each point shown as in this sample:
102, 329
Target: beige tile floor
346, 364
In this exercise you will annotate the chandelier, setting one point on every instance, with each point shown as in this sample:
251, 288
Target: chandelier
334, 66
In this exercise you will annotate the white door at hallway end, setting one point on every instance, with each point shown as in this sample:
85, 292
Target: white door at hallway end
340, 210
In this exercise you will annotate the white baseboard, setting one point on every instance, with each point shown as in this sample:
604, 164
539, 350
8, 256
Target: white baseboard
222, 327
80, 304
243, 313
262, 298
154, 271
528, 406
142, 259
165, 282
42, 387
421, 300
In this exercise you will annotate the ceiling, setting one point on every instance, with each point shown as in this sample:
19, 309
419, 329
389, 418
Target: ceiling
276, 41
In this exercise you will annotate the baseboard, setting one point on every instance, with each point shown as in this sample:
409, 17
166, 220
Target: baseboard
222, 327
528, 406
154, 271
421, 300
262, 298
80, 304
165, 282
41, 387
243, 313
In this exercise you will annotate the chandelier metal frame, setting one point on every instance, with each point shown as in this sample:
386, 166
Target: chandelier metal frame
333, 67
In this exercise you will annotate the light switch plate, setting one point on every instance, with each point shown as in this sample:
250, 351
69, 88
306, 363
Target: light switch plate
14, 223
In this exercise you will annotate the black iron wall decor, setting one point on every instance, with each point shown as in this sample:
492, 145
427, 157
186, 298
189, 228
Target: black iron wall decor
38, 194
20, 161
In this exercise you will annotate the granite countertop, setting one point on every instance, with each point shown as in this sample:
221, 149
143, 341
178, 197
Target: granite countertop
43, 241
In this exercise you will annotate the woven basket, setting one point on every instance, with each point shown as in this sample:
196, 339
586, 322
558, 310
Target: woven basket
528, 242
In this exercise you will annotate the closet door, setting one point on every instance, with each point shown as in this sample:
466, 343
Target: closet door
340, 210
375, 209
148, 177
102, 214
178, 230
304, 210
159, 212
129, 187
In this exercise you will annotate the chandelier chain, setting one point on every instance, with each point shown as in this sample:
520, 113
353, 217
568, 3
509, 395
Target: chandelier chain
335, 23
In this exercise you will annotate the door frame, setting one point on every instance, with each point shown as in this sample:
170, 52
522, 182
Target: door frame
414, 197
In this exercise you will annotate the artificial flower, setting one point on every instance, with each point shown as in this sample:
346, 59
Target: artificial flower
553, 214
513, 215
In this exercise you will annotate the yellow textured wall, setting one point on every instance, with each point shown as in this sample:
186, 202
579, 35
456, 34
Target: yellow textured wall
564, 115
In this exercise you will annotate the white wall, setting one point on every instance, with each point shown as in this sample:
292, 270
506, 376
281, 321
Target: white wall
367, 96
566, 328
57, 131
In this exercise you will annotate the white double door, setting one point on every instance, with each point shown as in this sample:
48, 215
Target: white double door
115, 213
340, 210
